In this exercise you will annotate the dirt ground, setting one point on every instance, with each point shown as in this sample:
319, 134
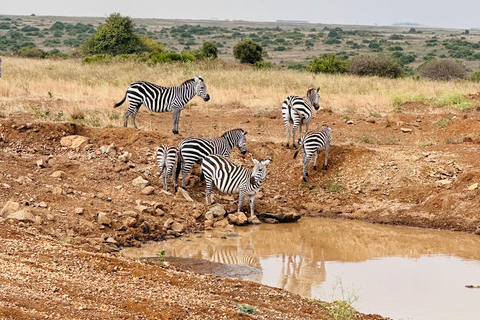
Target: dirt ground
413, 167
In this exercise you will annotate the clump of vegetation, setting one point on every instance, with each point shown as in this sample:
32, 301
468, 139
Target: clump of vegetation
443, 69
245, 308
248, 51
455, 100
31, 52
328, 63
442, 123
375, 66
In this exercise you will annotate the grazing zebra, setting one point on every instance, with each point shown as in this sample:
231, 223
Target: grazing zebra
231, 178
192, 150
311, 143
161, 99
299, 111
167, 161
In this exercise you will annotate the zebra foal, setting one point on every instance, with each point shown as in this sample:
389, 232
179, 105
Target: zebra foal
229, 177
192, 150
161, 99
298, 111
311, 143
167, 161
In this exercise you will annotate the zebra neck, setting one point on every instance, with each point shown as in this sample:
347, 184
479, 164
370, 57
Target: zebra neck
187, 91
222, 146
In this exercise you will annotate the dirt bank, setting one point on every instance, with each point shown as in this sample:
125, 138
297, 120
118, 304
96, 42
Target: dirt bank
408, 168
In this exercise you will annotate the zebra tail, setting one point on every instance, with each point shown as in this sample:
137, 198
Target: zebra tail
296, 152
121, 102
179, 164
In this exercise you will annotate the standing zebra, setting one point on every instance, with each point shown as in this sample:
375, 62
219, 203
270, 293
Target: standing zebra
299, 111
231, 178
167, 161
311, 143
192, 150
161, 99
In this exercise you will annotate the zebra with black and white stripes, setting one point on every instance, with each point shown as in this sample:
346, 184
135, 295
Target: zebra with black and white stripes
192, 150
229, 177
298, 111
167, 162
311, 144
161, 99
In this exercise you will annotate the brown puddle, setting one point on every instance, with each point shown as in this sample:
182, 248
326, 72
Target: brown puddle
402, 273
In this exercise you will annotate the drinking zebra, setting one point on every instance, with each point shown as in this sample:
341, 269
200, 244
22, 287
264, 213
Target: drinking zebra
311, 143
161, 99
231, 178
192, 150
167, 161
298, 111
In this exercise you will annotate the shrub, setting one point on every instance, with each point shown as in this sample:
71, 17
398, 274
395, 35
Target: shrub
248, 51
209, 51
328, 63
31, 52
380, 66
443, 69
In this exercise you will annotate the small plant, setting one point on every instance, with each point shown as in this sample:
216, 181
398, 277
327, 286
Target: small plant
162, 256
50, 94
442, 123
245, 308
375, 114
331, 187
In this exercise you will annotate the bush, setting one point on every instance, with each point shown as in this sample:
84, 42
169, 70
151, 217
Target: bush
31, 52
209, 51
380, 66
443, 69
328, 63
248, 51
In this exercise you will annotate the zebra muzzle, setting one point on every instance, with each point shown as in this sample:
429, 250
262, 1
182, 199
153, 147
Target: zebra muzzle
206, 98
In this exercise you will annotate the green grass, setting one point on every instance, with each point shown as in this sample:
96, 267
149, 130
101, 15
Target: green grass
442, 123
454, 100
245, 308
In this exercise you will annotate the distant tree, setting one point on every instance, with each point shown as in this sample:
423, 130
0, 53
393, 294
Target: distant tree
443, 69
248, 51
380, 66
31, 52
116, 36
209, 50
328, 63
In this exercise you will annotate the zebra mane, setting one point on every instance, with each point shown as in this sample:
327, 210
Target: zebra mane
187, 81
225, 134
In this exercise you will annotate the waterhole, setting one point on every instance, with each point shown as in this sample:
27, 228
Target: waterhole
397, 272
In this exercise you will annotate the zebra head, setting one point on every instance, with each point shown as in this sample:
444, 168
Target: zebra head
201, 88
313, 96
236, 137
259, 171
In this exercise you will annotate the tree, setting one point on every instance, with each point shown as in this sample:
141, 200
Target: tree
328, 63
380, 66
444, 69
209, 51
115, 37
248, 51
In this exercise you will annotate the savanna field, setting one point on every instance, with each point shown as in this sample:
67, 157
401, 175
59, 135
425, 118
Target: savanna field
404, 152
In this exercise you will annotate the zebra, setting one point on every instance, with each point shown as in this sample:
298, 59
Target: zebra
192, 150
167, 161
231, 178
161, 99
311, 143
298, 111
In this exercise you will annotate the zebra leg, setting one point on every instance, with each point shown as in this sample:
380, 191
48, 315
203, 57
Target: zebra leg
241, 198
208, 190
125, 122
165, 178
174, 176
176, 119
325, 165
306, 160
294, 130
316, 158
186, 169
286, 120
252, 205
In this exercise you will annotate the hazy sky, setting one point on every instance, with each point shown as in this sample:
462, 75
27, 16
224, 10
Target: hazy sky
463, 14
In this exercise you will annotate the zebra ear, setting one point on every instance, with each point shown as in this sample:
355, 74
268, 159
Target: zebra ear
318, 89
267, 161
255, 160
245, 132
200, 78
196, 79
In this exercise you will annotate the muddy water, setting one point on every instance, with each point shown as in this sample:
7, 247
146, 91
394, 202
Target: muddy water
402, 273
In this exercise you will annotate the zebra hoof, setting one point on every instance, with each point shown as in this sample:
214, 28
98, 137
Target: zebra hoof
304, 179
175, 132
287, 146
306, 174
325, 167
315, 168
294, 146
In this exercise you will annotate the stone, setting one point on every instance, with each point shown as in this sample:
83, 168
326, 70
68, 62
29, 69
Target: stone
254, 220
405, 130
23, 179
9, 207
22, 215
111, 150
177, 227
159, 212
209, 215
208, 223
238, 218
477, 232
125, 157
38, 220
50, 217
221, 224
42, 163
74, 141
467, 139
57, 191
58, 174
140, 182
167, 223
148, 190
282, 217
111, 240
443, 181
43, 204
271, 221
130, 222
473, 186
79, 211
217, 210
141, 209
182, 193
103, 219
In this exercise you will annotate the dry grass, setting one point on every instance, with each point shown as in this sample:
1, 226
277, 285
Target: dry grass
86, 92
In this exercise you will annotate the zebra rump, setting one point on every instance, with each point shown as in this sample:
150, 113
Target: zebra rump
311, 144
167, 161
229, 177
193, 150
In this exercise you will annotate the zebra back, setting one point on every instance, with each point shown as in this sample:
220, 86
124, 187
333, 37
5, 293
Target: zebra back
166, 157
314, 140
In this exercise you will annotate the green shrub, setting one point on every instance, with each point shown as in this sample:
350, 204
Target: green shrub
31, 52
444, 69
209, 51
328, 63
380, 66
248, 51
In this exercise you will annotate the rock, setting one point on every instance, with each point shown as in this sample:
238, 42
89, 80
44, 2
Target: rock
23, 179
443, 181
38, 220
159, 212
477, 232
140, 182
43, 204
111, 150
208, 223
405, 130
177, 227
271, 221
254, 220
57, 191
125, 157
349, 122
9, 207
111, 240
473, 186
168, 223
148, 190
209, 215
42, 163
79, 211
217, 210
182, 193
237, 218
141, 209
130, 222
21, 215
467, 139
221, 224
50, 217
58, 174
281, 217
103, 219
74, 141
